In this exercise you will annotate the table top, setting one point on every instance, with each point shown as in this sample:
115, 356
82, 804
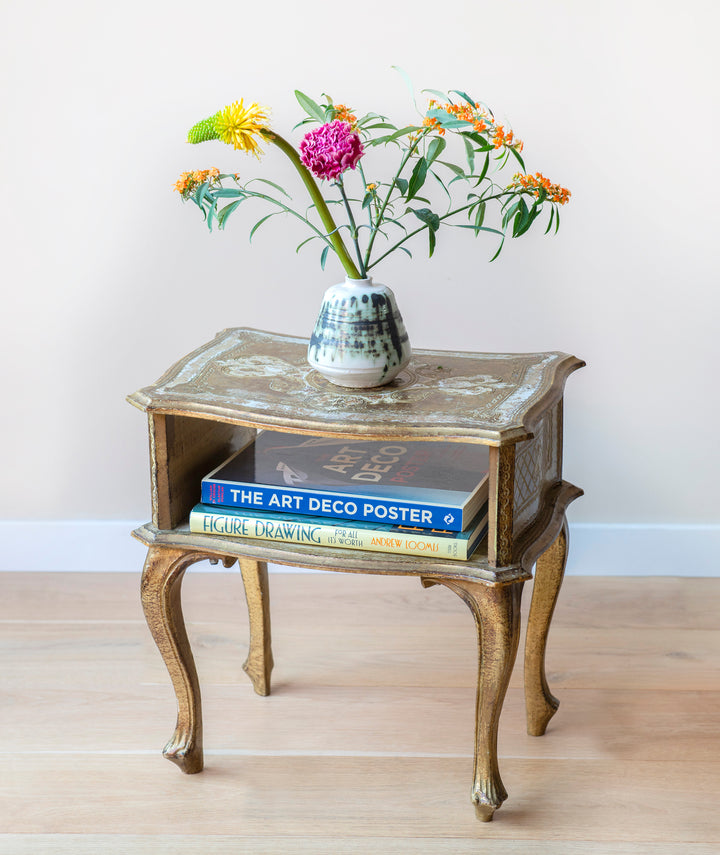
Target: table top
250, 377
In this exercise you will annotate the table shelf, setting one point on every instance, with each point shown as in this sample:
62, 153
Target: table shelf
216, 399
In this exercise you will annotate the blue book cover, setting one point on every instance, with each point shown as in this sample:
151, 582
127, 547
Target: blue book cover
438, 485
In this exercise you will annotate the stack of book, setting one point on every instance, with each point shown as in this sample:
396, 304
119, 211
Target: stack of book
415, 498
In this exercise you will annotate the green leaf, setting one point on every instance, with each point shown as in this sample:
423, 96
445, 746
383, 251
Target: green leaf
310, 107
498, 249
428, 217
484, 170
480, 141
367, 199
476, 230
200, 193
226, 211
437, 92
436, 148
431, 242
417, 179
226, 193
369, 117
550, 220
402, 185
480, 215
323, 257
519, 159
523, 219
557, 219
395, 223
405, 249
469, 153
259, 223
408, 82
211, 213
447, 121
510, 213
458, 170
386, 125
462, 94
410, 129
302, 122
441, 183
272, 184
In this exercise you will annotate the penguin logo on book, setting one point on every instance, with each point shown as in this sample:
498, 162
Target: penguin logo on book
291, 476
448, 518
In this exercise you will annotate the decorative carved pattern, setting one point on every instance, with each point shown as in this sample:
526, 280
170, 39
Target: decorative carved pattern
500, 516
261, 378
537, 466
246, 377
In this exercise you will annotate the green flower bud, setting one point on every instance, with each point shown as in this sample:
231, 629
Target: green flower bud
203, 131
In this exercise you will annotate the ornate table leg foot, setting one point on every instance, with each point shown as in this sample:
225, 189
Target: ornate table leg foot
540, 704
161, 584
259, 662
496, 610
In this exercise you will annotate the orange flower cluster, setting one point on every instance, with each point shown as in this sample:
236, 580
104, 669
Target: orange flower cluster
343, 113
188, 181
537, 182
480, 120
501, 138
433, 124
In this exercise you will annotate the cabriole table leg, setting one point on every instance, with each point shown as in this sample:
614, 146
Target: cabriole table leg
540, 703
496, 610
161, 585
259, 662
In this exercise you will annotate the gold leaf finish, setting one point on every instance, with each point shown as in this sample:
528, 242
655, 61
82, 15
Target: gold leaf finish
213, 400
246, 376
259, 662
496, 611
540, 703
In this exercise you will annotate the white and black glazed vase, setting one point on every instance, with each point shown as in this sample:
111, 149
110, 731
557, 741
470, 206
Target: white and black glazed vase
359, 340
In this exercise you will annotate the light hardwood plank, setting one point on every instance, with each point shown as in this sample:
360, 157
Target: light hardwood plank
358, 797
585, 602
135, 844
365, 744
313, 651
591, 724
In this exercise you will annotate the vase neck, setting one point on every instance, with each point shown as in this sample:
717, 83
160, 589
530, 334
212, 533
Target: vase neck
359, 282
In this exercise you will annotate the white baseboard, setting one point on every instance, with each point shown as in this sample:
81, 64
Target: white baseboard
596, 549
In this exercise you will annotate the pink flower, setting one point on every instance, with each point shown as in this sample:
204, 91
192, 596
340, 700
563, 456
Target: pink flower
331, 149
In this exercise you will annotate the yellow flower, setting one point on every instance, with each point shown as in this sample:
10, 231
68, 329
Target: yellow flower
241, 127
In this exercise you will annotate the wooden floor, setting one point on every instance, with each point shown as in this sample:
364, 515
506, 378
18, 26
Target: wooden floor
365, 745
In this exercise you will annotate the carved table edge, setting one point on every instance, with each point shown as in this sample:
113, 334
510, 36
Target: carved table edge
508, 434
532, 542
305, 426
348, 561
555, 393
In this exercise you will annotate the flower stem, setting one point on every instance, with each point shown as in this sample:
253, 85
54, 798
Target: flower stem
326, 217
353, 225
443, 217
378, 221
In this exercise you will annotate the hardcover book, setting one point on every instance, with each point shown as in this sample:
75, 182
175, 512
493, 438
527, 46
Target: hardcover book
324, 531
438, 485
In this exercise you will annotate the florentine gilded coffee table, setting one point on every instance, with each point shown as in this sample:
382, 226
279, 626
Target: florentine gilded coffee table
217, 397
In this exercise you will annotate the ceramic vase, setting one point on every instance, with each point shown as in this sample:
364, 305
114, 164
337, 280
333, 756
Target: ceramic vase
359, 340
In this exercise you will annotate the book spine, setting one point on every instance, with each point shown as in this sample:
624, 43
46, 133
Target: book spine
328, 534
331, 504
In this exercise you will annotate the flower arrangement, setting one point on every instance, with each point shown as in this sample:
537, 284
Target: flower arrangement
393, 209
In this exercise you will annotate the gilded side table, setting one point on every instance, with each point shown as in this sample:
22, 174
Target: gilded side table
244, 380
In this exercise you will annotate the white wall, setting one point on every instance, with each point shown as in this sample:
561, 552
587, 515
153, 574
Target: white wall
109, 278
